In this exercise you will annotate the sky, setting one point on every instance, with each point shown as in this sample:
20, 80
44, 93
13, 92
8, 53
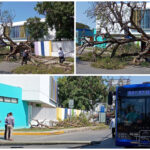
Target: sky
22, 10
81, 8
133, 79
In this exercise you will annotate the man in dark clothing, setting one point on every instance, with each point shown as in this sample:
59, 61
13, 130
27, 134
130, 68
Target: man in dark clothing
25, 57
10, 126
6, 122
61, 55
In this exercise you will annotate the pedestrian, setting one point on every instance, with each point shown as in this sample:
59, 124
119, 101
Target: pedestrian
112, 126
61, 55
6, 122
25, 57
10, 126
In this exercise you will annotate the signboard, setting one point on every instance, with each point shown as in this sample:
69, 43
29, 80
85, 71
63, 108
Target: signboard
102, 117
102, 108
139, 93
71, 103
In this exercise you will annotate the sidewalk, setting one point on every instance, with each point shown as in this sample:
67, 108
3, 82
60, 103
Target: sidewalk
45, 138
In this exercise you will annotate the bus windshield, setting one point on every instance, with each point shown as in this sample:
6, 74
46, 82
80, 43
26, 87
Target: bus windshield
133, 115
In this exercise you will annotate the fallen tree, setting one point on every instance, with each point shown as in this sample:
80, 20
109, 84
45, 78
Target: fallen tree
118, 17
6, 19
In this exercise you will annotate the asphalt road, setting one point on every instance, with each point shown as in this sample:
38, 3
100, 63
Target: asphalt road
6, 67
84, 67
102, 137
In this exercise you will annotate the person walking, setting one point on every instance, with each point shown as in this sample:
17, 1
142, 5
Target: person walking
112, 126
61, 55
6, 122
10, 126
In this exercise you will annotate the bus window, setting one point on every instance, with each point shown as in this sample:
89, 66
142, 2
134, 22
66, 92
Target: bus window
132, 110
148, 111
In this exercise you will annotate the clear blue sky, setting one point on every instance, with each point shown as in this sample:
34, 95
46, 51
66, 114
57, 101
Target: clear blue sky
22, 10
81, 16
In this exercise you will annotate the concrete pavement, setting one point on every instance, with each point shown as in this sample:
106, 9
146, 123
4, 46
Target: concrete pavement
6, 67
102, 138
84, 67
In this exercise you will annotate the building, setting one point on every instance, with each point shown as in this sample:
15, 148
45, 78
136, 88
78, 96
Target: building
46, 46
18, 32
11, 101
28, 97
145, 24
81, 33
90, 35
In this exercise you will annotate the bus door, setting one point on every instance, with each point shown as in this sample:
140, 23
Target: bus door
144, 135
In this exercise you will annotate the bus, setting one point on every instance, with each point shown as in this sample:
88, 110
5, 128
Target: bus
133, 115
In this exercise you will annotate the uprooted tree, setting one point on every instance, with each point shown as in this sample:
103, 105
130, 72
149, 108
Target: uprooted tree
118, 17
6, 20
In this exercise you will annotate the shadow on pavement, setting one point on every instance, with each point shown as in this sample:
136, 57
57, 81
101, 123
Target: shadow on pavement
107, 143
5, 72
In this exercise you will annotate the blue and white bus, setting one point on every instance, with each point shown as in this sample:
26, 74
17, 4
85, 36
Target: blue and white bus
133, 115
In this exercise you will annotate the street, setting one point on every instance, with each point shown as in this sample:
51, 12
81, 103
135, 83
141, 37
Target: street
100, 139
84, 67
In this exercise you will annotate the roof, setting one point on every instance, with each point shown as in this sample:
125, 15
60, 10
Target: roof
19, 23
136, 85
84, 29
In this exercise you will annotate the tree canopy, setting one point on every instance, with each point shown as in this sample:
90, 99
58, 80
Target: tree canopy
35, 28
81, 26
59, 16
85, 91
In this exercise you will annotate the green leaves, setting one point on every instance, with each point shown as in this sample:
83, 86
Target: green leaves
81, 26
36, 28
82, 89
59, 15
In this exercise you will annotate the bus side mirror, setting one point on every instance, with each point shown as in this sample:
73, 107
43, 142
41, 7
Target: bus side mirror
110, 98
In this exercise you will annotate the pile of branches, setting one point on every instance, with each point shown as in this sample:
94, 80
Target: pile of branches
76, 121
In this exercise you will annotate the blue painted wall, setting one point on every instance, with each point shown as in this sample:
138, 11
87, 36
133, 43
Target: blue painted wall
81, 33
99, 39
19, 110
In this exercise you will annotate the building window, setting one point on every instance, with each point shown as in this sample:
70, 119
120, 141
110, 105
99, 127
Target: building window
14, 100
18, 32
1, 99
8, 99
145, 21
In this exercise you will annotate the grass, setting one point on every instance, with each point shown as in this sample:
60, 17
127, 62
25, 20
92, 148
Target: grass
145, 64
86, 56
108, 63
70, 59
41, 69
97, 127
100, 126
32, 129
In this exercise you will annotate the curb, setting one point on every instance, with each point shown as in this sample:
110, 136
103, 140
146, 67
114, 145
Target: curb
49, 143
37, 133
55, 132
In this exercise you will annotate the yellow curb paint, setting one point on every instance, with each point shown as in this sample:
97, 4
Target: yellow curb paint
36, 133
50, 48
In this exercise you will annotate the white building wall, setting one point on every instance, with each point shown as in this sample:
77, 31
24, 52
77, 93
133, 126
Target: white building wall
34, 88
117, 28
